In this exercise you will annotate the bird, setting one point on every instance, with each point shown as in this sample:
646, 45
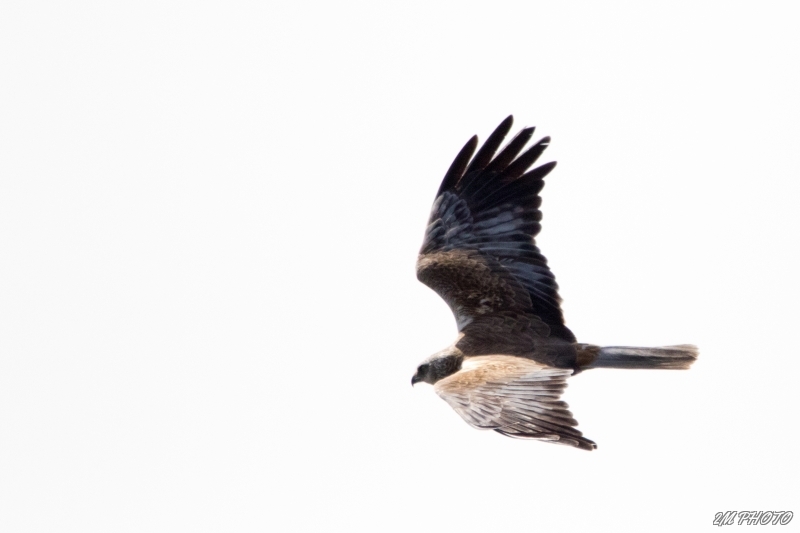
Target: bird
509, 364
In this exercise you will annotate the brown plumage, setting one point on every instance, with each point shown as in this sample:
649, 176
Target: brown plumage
509, 364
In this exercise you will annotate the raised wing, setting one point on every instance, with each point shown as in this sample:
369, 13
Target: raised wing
514, 396
479, 252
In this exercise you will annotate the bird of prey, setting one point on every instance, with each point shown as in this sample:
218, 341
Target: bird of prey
513, 354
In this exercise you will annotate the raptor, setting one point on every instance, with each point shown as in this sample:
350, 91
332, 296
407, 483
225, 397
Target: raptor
509, 364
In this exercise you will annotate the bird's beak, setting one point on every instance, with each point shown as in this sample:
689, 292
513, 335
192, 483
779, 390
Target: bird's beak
416, 379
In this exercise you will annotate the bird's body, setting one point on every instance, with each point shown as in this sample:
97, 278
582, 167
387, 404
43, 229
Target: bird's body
513, 353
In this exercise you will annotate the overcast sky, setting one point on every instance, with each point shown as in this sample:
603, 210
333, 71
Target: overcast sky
209, 219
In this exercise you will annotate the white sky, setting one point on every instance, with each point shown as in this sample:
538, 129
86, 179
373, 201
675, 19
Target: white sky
209, 218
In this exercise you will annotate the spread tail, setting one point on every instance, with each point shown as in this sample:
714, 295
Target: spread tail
667, 357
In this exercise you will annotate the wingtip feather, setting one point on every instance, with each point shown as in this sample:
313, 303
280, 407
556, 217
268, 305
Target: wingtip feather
459, 165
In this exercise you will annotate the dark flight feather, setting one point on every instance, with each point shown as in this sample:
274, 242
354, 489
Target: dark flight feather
507, 154
489, 148
459, 164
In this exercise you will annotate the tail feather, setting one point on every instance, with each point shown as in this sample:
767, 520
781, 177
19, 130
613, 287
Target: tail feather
667, 357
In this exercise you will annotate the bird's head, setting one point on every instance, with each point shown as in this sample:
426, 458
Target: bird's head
438, 366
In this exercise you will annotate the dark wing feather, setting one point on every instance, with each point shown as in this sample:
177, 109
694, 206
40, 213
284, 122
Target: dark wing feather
459, 164
479, 252
489, 148
513, 396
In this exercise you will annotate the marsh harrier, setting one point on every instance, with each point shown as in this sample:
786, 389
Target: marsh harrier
513, 354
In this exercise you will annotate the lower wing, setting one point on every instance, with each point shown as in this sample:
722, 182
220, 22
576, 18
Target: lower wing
514, 396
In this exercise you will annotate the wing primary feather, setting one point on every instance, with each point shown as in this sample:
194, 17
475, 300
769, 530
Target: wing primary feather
499, 171
529, 157
456, 170
475, 182
507, 155
529, 183
582, 442
487, 151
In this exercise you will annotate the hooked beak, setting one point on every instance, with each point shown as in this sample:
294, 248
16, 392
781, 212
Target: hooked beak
416, 379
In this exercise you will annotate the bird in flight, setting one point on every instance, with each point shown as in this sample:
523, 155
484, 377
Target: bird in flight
513, 354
